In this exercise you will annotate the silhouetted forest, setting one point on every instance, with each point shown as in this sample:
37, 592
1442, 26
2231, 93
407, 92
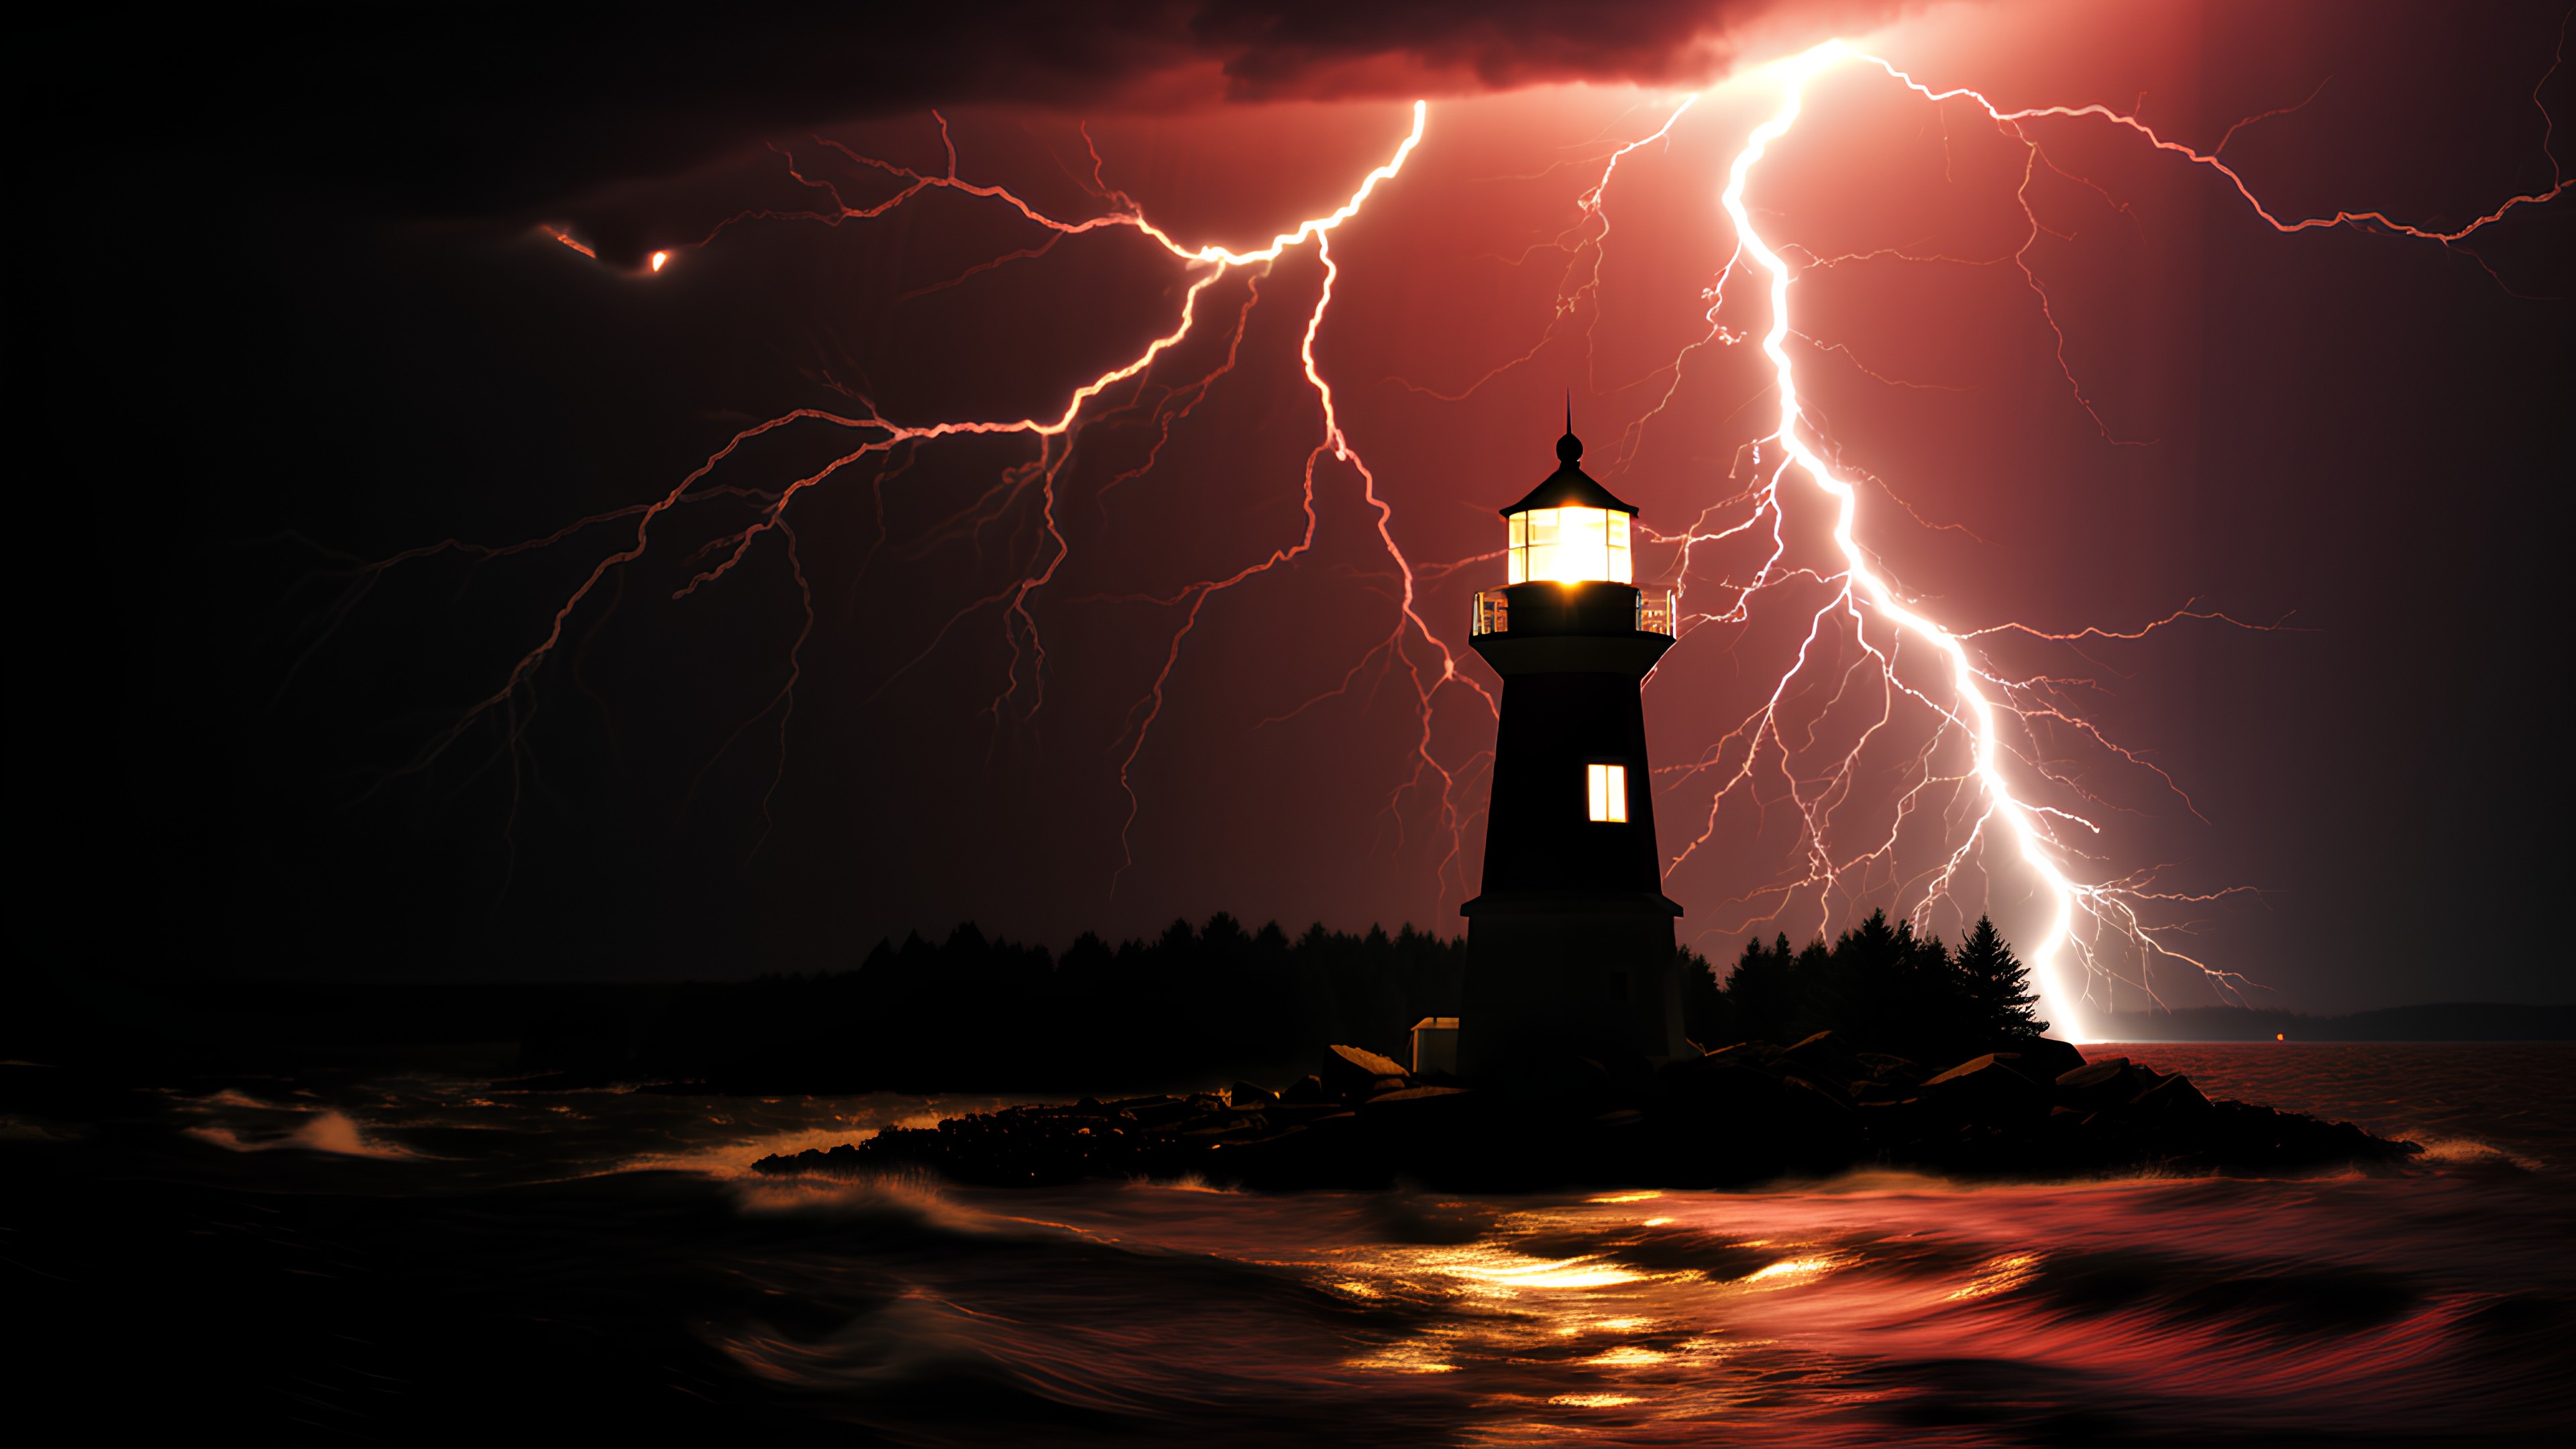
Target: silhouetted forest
1216, 1002
1879, 987
973, 1013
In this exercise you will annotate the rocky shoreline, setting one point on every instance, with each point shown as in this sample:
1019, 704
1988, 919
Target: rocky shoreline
1739, 1115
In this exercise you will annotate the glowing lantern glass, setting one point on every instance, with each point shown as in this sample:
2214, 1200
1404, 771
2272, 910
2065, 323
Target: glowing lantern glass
1569, 546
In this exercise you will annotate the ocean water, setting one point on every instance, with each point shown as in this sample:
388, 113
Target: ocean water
400, 1256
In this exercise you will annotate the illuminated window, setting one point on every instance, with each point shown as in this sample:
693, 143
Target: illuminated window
1607, 786
1569, 546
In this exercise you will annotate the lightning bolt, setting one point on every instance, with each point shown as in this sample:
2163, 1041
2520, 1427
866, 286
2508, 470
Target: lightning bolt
1430, 672
1980, 752
1977, 702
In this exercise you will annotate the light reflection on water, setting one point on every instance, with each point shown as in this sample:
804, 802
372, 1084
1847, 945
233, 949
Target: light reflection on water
502, 1135
1875, 1307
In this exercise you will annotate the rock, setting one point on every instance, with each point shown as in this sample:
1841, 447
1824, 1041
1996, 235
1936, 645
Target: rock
1403, 1095
1568, 1084
1737, 1116
1422, 1126
1746, 1054
2172, 1101
1287, 1112
1355, 1074
840, 1161
1987, 1088
1677, 1075
1885, 1068
1972, 1066
1154, 1111
1833, 1091
1329, 1151
2097, 1086
2045, 1058
1822, 1131
1824, 1058
1725, 1090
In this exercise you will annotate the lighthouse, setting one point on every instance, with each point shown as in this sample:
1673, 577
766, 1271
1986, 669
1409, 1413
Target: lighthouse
1570, 940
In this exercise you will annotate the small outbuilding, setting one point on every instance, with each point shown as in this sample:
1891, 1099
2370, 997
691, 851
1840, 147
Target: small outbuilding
1435, 1045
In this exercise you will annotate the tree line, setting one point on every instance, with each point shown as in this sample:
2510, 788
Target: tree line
1194, 1004
1209, 1002
1879, 987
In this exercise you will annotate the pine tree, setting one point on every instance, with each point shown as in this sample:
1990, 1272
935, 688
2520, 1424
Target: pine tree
1762, 993
2000, 1003
1707, 1018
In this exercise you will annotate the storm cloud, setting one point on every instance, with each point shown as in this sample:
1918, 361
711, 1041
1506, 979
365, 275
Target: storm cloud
415, 110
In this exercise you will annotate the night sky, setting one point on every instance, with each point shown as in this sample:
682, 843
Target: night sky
287, 305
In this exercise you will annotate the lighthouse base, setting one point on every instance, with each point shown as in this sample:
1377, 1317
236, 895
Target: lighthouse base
1557, 976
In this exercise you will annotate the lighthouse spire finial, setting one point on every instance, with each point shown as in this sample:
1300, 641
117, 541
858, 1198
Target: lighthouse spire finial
1569, 449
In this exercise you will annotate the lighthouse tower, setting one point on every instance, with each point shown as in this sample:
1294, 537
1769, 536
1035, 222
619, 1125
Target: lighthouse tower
1570, 944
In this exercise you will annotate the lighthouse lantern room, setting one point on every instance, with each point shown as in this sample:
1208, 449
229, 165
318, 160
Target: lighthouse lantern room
1570, 940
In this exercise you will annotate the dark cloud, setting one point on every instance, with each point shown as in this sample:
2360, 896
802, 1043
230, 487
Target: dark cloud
239, 332
1300, 48
420, 110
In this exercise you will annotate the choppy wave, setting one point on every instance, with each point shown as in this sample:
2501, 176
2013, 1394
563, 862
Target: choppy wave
388, 1252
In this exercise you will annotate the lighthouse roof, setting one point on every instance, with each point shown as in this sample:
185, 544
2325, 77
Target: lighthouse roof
1569, 486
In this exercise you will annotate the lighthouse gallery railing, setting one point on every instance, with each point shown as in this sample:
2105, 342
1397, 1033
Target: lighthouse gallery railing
1654, 611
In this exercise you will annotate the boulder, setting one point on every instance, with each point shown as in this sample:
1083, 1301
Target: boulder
1885, 1068
1824, 1058
1746, 1054
2045, 1058
1570, 1084
1355, 1074
1987, 1088
1832, 1090
1226, 1126
1680, 1069
1402, 1095
1725, 1090
1822, 1131
2096, 1086
1422, 1116
2172, 1101
1322, 1152
1726, 1118
1154, 1111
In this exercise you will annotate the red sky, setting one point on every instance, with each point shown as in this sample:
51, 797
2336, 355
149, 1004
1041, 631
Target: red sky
2342, 430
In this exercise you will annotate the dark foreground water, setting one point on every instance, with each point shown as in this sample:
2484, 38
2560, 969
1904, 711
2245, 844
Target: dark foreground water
412, 1256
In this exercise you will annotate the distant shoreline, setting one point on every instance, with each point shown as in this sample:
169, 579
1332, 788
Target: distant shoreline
2451, 1021
2130, 1041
